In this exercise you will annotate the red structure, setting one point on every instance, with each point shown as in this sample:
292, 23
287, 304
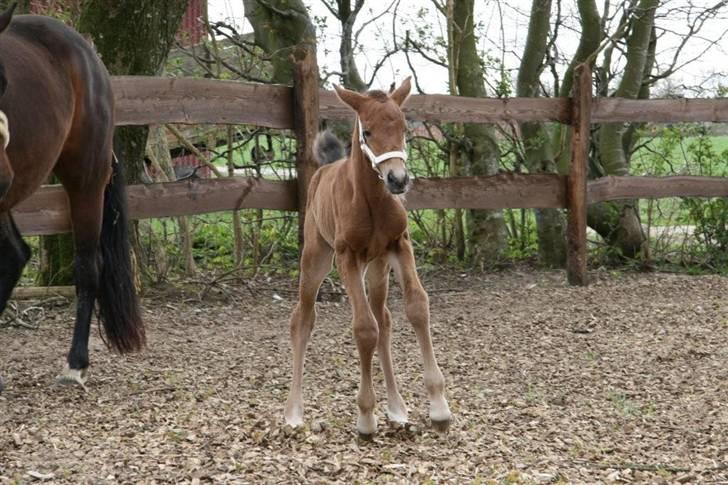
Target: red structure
192, 30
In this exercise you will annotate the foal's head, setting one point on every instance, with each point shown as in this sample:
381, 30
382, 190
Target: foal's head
6, 172
380, 132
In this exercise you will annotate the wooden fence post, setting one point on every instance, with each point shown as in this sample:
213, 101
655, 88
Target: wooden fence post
576, 183
305, 123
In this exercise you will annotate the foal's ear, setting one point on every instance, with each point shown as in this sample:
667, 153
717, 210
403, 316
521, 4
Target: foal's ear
352, 98
401, 94
6, 17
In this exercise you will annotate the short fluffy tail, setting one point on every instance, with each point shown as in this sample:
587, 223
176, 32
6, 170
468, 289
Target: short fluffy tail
328, 148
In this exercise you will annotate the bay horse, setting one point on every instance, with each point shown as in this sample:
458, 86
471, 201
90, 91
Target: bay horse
58, 116
355, 216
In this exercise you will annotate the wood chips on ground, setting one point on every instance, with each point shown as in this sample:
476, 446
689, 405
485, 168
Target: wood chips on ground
623, 381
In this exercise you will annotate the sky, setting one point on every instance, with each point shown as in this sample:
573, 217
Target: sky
501, 40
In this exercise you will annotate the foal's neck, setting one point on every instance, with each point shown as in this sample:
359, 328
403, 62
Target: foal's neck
365, 179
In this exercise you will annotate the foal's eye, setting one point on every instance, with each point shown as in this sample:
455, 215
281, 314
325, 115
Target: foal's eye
367, 133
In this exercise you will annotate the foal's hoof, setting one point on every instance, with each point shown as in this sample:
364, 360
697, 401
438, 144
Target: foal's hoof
365, 436
2, 385
72, 377
441, 426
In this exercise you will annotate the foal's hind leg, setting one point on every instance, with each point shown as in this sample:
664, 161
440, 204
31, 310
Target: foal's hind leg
417, 308
315, 265
378, 282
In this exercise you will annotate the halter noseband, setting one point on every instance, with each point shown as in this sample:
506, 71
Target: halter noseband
375, 160
4, 129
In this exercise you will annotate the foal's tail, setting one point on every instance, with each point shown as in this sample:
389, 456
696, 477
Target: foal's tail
328, 148
118, 303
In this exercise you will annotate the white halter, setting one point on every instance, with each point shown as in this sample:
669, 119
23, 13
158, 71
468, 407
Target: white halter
4, 129
377, 159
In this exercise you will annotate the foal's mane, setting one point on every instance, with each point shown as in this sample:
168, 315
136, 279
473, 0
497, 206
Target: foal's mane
378, 95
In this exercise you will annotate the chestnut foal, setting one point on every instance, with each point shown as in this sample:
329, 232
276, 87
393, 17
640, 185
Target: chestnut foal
355, 216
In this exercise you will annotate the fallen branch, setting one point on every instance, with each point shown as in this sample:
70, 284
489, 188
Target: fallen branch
638, 467
38, 292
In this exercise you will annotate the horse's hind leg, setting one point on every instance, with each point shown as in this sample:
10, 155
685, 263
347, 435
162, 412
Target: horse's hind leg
417, 308
86, 216
315, 265
378, 282
84, 174
14, 254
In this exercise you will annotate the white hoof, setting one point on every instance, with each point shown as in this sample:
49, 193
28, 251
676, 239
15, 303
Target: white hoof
440, 411
366, 425
398, 416
294, 416
73, 377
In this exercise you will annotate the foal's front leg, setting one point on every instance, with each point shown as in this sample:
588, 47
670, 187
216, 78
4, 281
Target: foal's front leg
378, 285
315, 265
417, 308
366, 334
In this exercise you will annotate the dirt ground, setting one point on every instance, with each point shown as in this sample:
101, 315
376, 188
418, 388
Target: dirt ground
626, 380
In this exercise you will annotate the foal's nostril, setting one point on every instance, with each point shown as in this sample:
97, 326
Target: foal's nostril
391, 179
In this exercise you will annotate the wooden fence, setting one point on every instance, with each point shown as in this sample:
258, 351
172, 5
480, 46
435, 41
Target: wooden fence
147, 100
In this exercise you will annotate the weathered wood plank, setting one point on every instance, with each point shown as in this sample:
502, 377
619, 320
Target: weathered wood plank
616, 188
144, 100
46, 212
444, 108
576, 190
507, 190
659, 110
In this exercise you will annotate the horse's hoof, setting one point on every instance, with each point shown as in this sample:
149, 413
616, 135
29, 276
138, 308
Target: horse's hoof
441, 426
72, 377
365, 436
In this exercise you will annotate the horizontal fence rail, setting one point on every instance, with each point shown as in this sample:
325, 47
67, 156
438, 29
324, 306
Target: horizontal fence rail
144, 100
46, 212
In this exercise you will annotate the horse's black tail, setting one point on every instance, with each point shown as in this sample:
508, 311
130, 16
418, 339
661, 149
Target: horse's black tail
328, 148
118, 303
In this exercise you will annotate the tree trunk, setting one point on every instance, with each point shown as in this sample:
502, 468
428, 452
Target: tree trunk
487, 229
279, 26
350, 73
618, 222
132, 38
455, 162
591, 36
539, 153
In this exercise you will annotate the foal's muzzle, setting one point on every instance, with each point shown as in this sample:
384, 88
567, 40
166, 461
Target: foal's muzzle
398, 184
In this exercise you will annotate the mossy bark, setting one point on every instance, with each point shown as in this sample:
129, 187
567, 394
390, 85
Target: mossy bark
486, 228
618, 222
539, 154
132, 37
279, 26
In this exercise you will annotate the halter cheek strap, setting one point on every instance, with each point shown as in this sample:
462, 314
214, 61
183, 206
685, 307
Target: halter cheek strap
4, 129
375, 160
